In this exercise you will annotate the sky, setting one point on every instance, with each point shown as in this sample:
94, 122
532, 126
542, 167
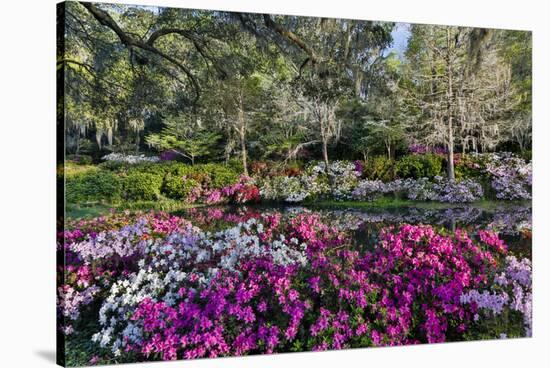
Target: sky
400, 34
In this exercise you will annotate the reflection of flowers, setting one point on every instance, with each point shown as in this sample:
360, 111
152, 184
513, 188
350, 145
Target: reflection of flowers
505, 220
511, 221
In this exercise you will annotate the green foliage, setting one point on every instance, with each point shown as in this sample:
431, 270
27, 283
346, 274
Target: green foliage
177, 186
79, 159
491, 327
380, 168
142, 186
184, 135
465, 168
527, 155
235, 165
174, 180
71, 169
419, 166
148, 168
95, 185
220, 175
115, 166
177, 179
204, 175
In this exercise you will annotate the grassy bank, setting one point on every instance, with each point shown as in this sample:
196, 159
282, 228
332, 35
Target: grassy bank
90, 210
391, 203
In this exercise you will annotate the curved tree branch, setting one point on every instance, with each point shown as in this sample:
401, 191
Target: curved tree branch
198, 43
291, 36
130, 41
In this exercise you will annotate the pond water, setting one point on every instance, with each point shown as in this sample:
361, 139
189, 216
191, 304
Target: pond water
511, 221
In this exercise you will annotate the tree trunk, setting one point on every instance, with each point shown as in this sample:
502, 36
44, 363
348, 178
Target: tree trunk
324, 142
242, 135
450, 154
450, 136
137, 142
244, 154
78, 144
325, 154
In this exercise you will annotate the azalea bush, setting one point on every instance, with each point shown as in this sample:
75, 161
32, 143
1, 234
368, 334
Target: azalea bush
440, 189
343, 177
129, 159
443, 190
415, 177
510, 293
343, 182
311, 184
244, 191
511, 177
159, 287
508, 176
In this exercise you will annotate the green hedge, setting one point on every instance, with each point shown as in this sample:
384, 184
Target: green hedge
93, 186
142, 186
379, 168
79, 159
218, 175
419, 166
177, 187
111, 181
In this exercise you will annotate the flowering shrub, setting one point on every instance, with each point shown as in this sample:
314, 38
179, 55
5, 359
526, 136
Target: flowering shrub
314, 182
440, 189
270, 283
511, 291
310, 184
343, 177
343, 182
419, 149
285, 188
168, 155
368, 190
511, 177
244, 191
129, 159
508, 176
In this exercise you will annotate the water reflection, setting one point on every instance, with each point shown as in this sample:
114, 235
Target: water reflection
511, 222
